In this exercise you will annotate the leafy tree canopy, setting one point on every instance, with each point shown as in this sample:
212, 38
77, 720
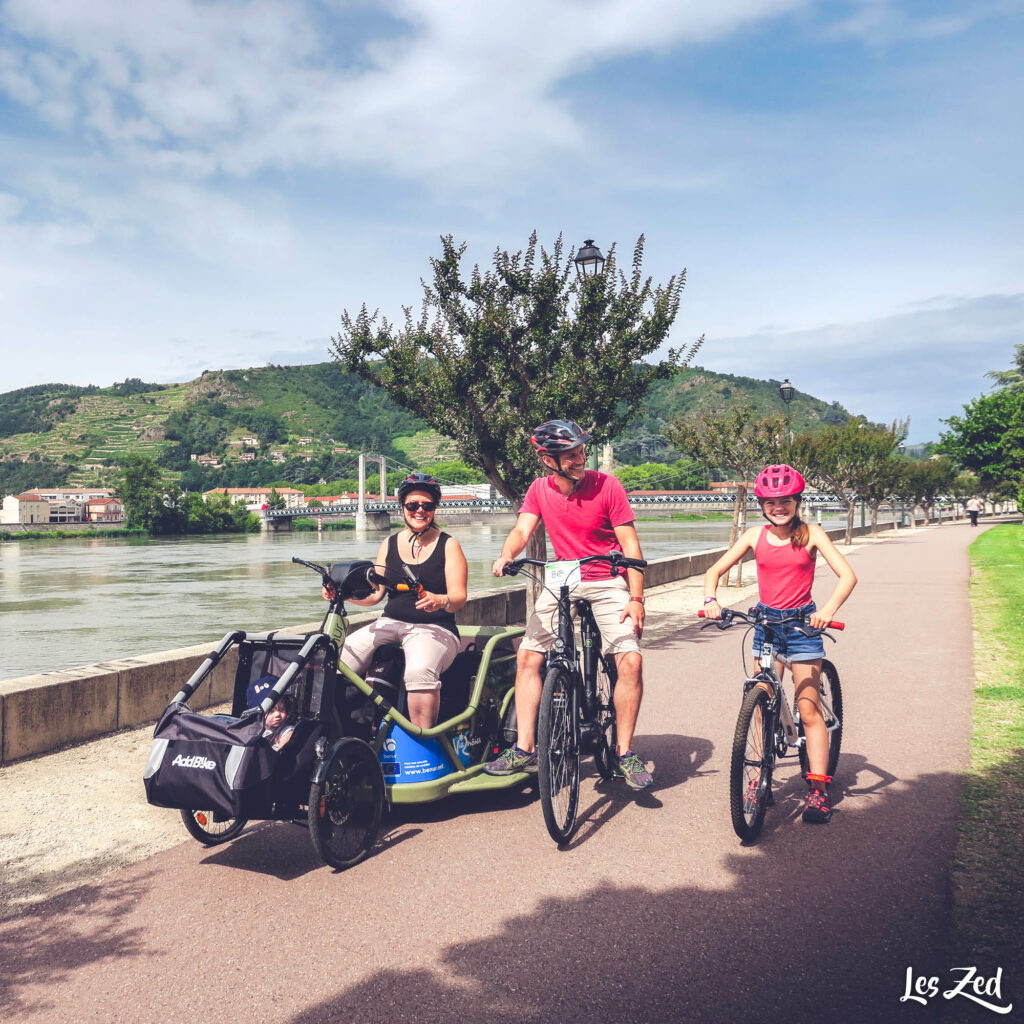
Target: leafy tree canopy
492, 355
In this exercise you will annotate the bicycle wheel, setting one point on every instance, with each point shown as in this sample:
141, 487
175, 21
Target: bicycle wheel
750, 769
209, 830
606, 755
345, 809
831, 696
558, 754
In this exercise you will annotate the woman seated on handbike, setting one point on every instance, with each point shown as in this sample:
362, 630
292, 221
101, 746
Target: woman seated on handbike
422, 624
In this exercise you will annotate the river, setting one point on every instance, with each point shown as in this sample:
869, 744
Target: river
80, 601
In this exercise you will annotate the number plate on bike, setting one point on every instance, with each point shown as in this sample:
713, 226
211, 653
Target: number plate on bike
562, 574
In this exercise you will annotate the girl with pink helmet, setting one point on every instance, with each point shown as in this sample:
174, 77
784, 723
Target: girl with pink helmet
785, 551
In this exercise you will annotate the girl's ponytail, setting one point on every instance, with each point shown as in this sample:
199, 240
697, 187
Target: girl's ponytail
801, 531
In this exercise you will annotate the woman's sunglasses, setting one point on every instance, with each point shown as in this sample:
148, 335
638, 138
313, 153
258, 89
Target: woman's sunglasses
415, 506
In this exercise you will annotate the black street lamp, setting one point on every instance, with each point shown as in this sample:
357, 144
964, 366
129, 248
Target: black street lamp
589, 260
589, 263
786, 393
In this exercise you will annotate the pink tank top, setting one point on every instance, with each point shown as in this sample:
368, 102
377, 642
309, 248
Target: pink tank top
784, 573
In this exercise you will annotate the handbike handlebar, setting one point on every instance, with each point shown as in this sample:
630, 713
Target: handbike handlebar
753, 619
372, 576
616, 559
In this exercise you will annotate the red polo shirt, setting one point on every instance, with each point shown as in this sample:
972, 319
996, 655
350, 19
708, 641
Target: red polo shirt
584, 522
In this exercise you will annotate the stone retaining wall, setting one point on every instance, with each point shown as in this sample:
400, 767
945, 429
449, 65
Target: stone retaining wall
39, 713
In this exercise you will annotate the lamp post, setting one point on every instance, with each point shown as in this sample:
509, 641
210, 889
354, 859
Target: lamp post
902, 449
589, 263
786, 392
589, 260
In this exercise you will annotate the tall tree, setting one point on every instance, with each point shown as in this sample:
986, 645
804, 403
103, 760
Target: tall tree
988, 439
923, 482
734, 441
140, 489
528, 340
493, 354
846, 459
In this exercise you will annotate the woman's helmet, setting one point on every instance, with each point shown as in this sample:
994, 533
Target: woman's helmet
558, 436
419, 482
780, 481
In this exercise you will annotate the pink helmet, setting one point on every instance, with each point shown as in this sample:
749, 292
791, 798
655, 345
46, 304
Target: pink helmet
778, 482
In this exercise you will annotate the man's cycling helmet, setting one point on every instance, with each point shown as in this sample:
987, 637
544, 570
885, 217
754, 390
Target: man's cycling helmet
419, 482
778, 482
558, 436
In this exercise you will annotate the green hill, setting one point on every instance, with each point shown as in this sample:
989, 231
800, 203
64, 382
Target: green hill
293, 423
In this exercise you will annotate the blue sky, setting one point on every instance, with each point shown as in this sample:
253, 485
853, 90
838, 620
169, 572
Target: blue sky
204, 184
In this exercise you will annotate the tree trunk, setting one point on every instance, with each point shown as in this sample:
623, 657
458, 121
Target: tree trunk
741, 512
734, 532
536, 547
851, 508
874, 519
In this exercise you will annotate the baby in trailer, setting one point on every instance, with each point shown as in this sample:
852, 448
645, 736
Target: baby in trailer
278, 730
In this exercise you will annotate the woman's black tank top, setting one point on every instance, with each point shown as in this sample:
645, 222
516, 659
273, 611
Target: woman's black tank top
431, 574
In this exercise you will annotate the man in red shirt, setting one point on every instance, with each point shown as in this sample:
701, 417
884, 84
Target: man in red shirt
584, 513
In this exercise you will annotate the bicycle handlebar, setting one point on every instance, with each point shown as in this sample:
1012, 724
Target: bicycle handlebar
616, 559
728, 614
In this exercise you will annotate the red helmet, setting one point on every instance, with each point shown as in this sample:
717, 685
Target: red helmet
778, 482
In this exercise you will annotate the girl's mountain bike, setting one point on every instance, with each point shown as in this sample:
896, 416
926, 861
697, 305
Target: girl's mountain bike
768, 725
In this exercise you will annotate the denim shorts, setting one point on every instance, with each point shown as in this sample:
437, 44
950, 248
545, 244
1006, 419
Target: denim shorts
793, 644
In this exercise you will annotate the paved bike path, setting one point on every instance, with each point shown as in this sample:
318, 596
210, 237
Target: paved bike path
656, 913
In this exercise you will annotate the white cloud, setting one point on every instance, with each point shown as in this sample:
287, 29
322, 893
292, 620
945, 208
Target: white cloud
243, 86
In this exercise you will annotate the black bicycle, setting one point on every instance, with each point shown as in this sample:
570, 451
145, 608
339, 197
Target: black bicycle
769, 725
577, 708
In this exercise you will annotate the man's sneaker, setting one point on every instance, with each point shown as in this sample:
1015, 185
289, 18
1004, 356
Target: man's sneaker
818, 809
634, 771
512, 760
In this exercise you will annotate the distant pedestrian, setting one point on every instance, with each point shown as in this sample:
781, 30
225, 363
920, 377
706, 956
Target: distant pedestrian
974, 506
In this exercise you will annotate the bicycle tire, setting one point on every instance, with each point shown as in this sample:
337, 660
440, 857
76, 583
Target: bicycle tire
750, 767
558, 754
345, 809
606, 755
204, 826
832, 710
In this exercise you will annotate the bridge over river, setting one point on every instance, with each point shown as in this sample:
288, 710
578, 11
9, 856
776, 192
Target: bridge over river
378, 514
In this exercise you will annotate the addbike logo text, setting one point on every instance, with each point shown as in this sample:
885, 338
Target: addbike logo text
195, 761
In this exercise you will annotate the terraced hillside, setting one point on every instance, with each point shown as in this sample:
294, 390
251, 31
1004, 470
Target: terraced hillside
289, 417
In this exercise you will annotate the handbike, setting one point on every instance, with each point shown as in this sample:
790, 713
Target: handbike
353, 747
769, 724
577, 708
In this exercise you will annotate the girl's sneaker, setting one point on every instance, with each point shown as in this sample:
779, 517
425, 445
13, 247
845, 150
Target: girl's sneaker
818, 809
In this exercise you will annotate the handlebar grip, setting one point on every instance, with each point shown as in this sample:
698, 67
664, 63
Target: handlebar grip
837, 625
702, 614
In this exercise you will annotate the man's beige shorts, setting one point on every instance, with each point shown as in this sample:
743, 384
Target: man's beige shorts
608, 599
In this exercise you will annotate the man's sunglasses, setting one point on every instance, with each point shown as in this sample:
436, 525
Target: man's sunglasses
415, 506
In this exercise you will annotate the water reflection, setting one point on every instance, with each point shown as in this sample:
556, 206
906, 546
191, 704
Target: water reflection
75, 602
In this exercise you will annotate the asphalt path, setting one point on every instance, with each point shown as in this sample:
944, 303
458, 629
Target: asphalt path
468, 912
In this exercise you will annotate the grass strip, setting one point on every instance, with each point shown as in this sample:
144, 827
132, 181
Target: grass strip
988, 869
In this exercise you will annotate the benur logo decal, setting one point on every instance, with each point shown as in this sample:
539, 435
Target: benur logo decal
195, 761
